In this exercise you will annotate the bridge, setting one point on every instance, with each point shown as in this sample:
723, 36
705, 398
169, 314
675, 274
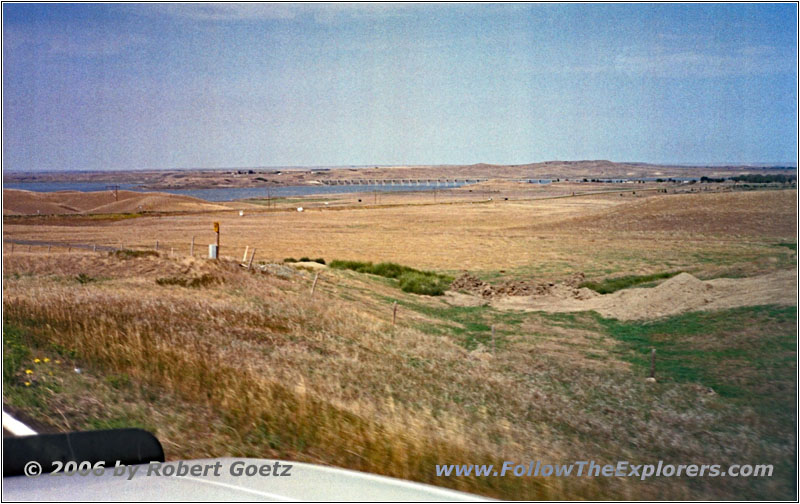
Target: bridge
421, 182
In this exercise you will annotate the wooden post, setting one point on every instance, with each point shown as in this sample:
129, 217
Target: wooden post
191, 248
48, 248
653, 363
94, 247
251, 258
314, 285
394, 313
244, 257
216, 231
156, 245
171, 251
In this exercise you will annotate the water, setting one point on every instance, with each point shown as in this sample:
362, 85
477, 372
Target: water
227, 194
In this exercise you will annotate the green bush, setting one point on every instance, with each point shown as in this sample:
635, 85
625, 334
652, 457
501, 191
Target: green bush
411, 280
361, 267
420, 283
304, 259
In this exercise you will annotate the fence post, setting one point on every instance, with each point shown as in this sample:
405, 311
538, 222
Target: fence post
314, 285
244, 257
156, 245
251, 258
394, 313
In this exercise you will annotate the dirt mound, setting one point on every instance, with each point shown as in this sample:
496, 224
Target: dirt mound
680, 294
474, 285
17, 202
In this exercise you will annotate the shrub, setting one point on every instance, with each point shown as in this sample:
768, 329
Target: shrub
84, 279
411, 280
304, 259
202, 281
420, 283
361, 267
126, 254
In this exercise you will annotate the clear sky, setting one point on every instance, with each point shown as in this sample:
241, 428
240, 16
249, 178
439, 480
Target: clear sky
127, 86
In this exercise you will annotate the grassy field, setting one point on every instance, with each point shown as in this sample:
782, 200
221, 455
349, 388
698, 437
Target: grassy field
221, 361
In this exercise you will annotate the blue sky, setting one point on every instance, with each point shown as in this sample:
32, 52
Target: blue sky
148, 86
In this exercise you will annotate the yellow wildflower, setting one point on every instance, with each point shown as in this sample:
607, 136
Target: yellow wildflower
27, 384
47, 359
37, 361
28, 371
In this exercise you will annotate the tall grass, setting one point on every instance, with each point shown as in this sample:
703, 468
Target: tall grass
410, 279
185, 347
331, 381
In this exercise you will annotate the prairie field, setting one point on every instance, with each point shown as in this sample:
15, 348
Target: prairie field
220, 360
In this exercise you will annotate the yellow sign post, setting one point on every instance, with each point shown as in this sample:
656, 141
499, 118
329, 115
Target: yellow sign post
216, 230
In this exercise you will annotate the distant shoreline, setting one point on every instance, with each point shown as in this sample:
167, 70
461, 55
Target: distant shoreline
200, 179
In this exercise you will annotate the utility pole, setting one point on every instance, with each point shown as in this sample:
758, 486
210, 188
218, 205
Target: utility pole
114, 188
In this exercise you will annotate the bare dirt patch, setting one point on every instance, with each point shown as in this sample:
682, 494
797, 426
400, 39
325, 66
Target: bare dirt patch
474, 285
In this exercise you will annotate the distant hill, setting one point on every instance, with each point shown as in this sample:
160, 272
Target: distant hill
18, 202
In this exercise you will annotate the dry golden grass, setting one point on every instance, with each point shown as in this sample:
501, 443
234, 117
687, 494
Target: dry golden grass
257, 368
17, 202
602, 234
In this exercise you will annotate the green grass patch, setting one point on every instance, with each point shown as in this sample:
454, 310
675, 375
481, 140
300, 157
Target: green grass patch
15, 352
610, 285
409, 279
746, 354
468, 325
419, 283
792, 246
